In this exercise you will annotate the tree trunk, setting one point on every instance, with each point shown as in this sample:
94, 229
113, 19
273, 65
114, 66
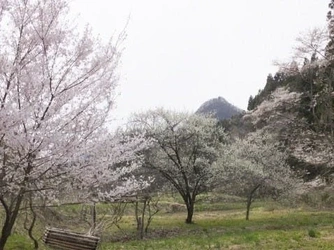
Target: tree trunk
190, 212
142, 224
330, 101
250, 200
6, 231
249, 203
10, 219
32, 224
94, 216
140, 218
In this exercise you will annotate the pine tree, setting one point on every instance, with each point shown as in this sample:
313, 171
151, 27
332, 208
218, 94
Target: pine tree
327, 75
330, 19
251, 105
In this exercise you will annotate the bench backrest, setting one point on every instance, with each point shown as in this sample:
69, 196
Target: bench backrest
61, 239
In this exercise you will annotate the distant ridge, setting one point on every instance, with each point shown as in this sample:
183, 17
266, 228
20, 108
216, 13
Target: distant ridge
220, 108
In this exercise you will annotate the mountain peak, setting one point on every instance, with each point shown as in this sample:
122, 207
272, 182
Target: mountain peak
222, 99
220, 107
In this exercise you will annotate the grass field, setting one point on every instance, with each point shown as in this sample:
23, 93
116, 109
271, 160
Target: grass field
220, 226
278, 229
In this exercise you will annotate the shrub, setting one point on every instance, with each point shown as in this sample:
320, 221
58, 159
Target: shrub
313, 233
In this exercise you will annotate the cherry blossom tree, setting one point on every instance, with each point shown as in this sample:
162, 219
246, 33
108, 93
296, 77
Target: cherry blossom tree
57, 88
314, 54
258, 163
184, 150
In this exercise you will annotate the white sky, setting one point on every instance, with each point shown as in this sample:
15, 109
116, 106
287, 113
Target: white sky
181, 53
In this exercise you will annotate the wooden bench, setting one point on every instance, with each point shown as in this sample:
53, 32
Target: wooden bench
61, 239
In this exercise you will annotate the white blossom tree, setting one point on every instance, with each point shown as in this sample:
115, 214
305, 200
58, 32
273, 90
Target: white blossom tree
259, 162
57, 88
184, 150
105, 171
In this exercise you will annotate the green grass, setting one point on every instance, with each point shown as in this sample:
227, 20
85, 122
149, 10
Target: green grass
280, 229
217, 225
17, 241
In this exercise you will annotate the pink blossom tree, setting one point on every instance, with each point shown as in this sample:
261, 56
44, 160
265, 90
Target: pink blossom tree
57, 88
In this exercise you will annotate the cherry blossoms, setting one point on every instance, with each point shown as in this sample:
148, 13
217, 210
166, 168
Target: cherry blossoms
57, 88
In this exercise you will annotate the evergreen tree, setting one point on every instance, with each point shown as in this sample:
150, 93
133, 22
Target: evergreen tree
330, 46
326, 77
270, 85
250, 103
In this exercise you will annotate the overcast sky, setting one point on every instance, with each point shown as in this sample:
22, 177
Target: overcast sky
181, 53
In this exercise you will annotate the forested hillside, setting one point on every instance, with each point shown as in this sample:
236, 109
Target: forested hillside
297, 102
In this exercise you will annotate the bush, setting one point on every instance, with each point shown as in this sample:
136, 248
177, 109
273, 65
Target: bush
313, 233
